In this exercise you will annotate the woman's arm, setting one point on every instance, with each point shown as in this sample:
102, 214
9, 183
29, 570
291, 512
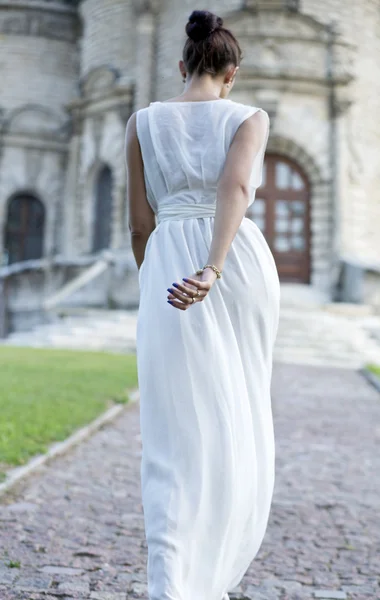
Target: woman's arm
141, 219
232, 203
233, 187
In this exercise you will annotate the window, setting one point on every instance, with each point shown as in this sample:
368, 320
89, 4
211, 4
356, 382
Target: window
24, 229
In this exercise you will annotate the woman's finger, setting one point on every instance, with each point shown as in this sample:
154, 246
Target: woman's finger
186, 299
179, 305
201, 285
191, 291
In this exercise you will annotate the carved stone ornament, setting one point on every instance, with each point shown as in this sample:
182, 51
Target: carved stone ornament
37, 121
37, 23
290, 46
98, 81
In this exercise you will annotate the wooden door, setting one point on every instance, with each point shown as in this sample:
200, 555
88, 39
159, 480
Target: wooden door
281, 210
24, 230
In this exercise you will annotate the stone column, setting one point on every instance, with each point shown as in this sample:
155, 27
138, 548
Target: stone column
118, 232
71, 217
145, 59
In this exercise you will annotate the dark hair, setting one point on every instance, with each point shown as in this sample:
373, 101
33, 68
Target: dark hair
210, 47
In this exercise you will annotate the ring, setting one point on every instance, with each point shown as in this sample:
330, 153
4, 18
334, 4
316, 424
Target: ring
193, 299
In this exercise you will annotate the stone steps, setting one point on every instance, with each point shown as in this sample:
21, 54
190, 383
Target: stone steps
332, 335
307, 334
113, 331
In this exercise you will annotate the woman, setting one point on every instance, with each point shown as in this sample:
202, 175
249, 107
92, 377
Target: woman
205, 350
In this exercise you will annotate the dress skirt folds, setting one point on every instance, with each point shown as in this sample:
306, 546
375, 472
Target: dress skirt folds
208, 451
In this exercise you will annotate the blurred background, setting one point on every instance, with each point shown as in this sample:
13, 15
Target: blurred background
71, 74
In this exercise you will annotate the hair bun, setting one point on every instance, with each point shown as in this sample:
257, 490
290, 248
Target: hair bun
201, 24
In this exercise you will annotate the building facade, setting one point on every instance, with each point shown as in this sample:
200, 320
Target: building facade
72, 72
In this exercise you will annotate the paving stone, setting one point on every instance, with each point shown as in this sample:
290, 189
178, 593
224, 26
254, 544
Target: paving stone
42, 597
363, 589
330, 594
72, 587
107, 596
304, 594
33, 583
290, 586
79, 521
58, 570
139, 588
7, 575
254, 593
21, 507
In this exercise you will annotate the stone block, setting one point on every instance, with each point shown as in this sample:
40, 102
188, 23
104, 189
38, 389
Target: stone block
330, 594
61, 570
33, 583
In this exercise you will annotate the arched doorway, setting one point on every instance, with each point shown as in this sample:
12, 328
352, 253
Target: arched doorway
103, 210
282, 211
24, 228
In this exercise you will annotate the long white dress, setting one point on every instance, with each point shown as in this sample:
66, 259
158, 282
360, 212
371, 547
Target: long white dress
207, 468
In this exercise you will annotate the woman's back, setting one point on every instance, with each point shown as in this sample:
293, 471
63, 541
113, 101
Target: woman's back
204, 354
184, 147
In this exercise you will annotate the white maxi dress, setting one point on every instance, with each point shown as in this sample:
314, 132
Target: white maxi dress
207, 467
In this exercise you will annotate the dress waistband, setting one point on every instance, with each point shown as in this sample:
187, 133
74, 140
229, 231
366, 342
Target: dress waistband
177, 212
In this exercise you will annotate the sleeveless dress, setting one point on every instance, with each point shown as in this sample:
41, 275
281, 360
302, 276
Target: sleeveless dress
207, 466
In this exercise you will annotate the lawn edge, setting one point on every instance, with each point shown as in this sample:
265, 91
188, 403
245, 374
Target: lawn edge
373, 379
17, 474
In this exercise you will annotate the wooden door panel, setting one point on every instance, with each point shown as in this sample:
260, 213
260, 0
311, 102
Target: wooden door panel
281, 210
24, 231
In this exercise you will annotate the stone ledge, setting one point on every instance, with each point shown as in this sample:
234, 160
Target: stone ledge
14, 476
371, 378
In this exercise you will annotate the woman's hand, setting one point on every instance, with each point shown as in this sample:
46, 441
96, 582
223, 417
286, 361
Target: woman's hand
193, 289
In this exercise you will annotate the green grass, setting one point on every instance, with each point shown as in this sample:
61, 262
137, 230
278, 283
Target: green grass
13, 564
45, 395
374, 369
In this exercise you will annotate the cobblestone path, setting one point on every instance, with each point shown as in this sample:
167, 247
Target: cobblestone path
75, 530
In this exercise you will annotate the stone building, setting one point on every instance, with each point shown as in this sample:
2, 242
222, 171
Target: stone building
73, 71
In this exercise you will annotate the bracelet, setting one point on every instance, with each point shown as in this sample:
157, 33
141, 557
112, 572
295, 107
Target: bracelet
213, 267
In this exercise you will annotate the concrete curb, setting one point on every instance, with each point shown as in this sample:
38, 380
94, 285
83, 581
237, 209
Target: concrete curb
371, 378
14, 476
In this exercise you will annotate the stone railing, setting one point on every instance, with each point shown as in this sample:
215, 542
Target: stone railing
79, 282
34, 291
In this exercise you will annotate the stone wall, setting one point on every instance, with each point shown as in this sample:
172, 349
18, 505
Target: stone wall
38, 77
41, 65
358, 212
108, 36
70, 82
284, 72
99, 115
278, 50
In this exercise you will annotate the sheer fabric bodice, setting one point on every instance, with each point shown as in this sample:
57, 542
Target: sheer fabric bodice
184, 169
